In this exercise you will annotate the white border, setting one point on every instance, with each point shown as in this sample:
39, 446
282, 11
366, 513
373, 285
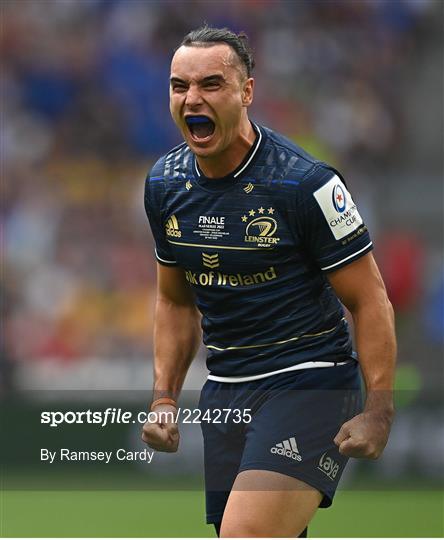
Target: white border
258, 142
347, 258
304, 365
163, 260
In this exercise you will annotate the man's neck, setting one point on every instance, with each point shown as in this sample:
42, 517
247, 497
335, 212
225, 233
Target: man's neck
226, 162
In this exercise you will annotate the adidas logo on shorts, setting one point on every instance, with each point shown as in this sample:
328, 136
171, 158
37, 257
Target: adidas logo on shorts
287, 448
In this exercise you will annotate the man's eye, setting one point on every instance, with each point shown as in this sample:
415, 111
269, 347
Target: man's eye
212, 85
179, 88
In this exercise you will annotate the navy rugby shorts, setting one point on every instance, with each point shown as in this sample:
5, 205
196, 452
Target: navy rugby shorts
294, 419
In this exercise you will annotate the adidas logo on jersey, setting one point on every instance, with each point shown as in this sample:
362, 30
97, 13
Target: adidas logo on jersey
172, 227
287, 448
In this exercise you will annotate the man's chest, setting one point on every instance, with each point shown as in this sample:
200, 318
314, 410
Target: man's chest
233, 232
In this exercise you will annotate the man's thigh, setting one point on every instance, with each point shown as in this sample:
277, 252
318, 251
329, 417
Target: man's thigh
268, 504
223, 447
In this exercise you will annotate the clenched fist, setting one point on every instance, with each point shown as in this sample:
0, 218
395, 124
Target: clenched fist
163, 434
364, 436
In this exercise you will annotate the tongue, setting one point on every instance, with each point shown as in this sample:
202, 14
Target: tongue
202, 129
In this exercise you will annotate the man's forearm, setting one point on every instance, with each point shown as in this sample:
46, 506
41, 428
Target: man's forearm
177, 336
376, 344
361, 289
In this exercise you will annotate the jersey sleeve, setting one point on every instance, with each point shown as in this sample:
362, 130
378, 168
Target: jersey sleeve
329, 222
153, 208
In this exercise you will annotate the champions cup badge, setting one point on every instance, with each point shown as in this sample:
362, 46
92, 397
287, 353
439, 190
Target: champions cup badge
261, 229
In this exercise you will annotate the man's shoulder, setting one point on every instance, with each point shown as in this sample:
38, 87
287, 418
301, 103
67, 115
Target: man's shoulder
172, 166
286, 162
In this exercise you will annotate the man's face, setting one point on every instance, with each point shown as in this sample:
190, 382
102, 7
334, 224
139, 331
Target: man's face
208, 93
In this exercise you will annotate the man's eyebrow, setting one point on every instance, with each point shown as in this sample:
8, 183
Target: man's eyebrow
216, 77
177, 80
209, 78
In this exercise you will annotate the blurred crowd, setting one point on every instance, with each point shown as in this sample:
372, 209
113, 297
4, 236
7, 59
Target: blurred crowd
85, 114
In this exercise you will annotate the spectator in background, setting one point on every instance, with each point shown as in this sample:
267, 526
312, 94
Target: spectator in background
84, 110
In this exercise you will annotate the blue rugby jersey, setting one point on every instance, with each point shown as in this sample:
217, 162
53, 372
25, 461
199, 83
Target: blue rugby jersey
256, 246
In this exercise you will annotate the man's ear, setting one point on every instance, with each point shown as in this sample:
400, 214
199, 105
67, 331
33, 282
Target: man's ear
247, 93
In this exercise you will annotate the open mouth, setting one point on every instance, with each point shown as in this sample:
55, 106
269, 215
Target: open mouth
201, 127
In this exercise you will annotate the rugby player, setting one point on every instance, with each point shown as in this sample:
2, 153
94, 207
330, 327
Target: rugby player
259, 245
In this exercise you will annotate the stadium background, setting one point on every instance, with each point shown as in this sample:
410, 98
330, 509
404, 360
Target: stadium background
84, 115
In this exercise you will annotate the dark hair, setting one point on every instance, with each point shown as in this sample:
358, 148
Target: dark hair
205, 36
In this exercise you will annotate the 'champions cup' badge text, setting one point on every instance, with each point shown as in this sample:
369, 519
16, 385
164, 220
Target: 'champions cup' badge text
261, 227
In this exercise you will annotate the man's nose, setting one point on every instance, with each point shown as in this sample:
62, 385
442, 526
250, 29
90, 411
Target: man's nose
193, 97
